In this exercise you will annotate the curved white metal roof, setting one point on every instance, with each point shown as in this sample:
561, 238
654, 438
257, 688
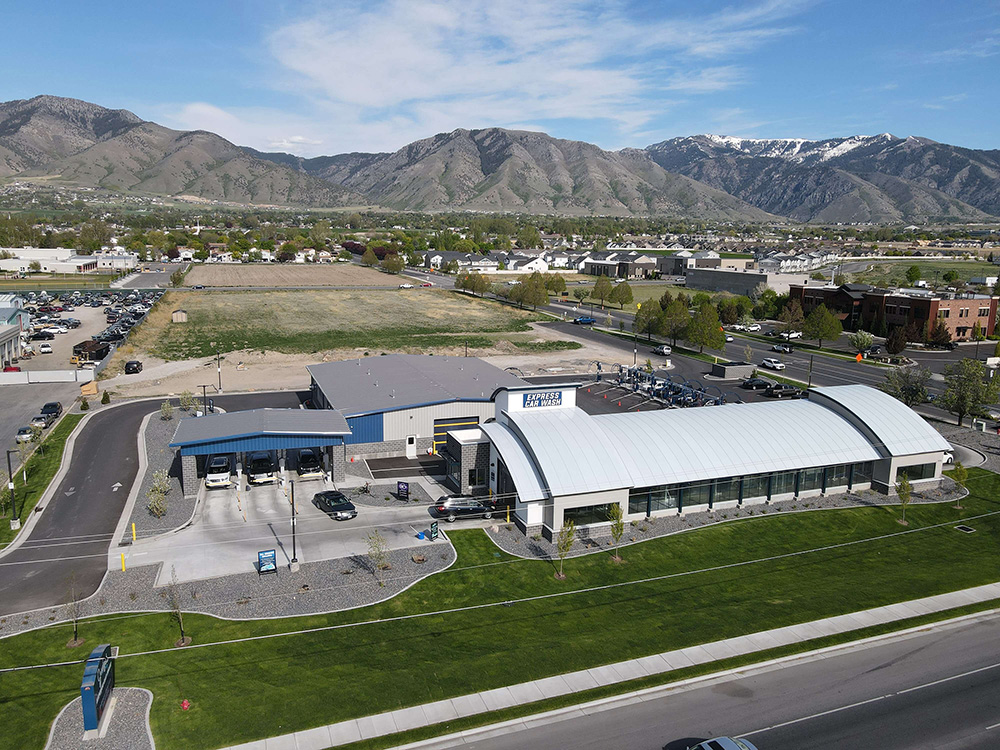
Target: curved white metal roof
683, 445
515, 457
895, 425
571, 451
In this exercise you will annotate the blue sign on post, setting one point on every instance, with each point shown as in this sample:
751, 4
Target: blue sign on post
98, 682
403, 490
266, 562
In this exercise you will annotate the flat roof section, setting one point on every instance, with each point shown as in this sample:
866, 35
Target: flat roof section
399, 381
218, 428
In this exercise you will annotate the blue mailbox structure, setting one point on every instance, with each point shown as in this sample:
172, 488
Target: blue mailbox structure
98, 682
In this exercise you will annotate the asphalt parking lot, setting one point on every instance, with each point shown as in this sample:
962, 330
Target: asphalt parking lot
20, 403
92, 322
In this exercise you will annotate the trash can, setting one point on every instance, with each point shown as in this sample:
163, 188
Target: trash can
420, 535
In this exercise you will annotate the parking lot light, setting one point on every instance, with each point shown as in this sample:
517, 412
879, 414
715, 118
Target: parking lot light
295, 559
15, 522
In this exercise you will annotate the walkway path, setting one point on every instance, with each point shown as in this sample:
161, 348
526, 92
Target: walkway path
451, 709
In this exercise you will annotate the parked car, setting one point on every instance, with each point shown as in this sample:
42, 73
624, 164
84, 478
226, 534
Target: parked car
724, 743
53, 407
219, 472
336, 505
873, 351
45, 348
773, 364
427, 283
133, 366
729, 338
260, 468
663, 350
24, 435
786, 348
198, 286
753, 327
43, 420
309, 463
406, 286
584, 320
783, 390
788, 335
42, 336
455, 506
756, 384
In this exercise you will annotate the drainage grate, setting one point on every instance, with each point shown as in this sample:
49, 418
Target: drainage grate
965, 529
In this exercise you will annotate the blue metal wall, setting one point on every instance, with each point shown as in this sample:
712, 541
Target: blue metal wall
261, 443
365, 429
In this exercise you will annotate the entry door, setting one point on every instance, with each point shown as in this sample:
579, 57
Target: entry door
411, 446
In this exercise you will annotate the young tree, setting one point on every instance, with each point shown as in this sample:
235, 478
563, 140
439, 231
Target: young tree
581, 293
675, 320
907, 384
895, 342
74, 610
174, 599
961, 475
603, 289
977, 331
378, 553
940, 335
617, 528
646, 318
166, 410
564, 543
966, 389
187, 401
791, 318
665, 299
913, 274
704, 329
393, 263
38, 438
622, 294
905, 491
369, 258
555, 283
861, 341
822, 324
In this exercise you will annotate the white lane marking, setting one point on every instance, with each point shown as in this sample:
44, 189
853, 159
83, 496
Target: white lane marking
872, 700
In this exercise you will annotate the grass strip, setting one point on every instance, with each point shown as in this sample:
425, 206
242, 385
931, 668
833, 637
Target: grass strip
39, 470
246, 691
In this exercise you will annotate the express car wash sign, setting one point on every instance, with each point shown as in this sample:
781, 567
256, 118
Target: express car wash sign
542, 398
98, 682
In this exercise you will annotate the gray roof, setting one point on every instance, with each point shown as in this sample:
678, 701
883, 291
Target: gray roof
895, 426
398, 381
522, 469
259, 422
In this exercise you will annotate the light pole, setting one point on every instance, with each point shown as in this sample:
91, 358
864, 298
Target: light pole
204, 398
218, 367
15, 523
295, 559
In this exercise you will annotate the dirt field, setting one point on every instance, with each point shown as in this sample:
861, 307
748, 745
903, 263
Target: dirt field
286, 275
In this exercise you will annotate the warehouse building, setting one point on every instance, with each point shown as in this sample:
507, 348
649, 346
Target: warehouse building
405, 404
553, 462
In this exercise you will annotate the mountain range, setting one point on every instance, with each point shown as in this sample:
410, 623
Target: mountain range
881, 178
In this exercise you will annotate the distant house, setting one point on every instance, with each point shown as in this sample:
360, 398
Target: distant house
438, 259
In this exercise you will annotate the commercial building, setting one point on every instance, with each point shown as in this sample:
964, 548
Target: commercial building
553, 462
737, 281
50, 260
871, 308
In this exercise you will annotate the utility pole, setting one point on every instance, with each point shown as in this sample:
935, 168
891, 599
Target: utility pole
204, 398
295, 559
15, 522
810, 383
218, 367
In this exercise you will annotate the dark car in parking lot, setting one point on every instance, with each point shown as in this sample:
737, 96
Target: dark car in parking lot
756, 384
783, 390
451, 507
53, 407
336, 505
133, 366
584, 320
309, 463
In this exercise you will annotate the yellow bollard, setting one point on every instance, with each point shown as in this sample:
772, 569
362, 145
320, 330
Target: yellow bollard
133, 532
123, 562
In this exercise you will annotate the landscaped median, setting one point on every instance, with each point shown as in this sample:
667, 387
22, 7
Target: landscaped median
492, 620
39, 470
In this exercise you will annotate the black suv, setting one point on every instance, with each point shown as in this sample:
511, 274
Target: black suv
133, 366
336, 505
782, 390
53, 407
309, 462
455, 506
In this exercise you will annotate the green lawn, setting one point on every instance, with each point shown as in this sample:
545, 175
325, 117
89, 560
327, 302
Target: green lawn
885, 273
41, 467
251, 690
56, 282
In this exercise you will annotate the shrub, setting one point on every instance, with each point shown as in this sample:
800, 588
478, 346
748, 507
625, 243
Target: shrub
106, 398
84, 405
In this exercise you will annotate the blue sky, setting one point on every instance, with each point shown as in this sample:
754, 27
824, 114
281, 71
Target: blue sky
328, 77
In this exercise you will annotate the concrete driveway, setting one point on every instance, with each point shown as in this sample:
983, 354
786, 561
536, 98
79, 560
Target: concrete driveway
229, 529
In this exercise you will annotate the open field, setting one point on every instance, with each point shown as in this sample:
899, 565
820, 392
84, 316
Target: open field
640, 293
51, 282
712, 583
893, 273
322, 320
287, 275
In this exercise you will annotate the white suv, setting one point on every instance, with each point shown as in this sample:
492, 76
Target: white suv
773, 364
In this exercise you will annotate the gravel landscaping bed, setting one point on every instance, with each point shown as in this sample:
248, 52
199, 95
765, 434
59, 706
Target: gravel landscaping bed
987, 443
379, 493
319, 587
159, 433
510, 539
128, 728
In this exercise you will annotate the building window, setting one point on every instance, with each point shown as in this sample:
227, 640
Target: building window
727, 490
783, 483
755, 486
944, 313
836, 476
920, 471
863, 472
695, 493
651, 499
984, 312
477, 477
588, 514
963, 312
810, 479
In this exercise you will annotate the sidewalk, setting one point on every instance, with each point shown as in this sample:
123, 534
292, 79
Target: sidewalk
403, 719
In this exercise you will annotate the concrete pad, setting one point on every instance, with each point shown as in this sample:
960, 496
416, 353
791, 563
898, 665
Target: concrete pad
255, 745
526, 692
891, 613
628, 670
784, 636
344, 732
960, 598
866, 618
654, 664
368, 727
552, 687
720, 650
580, 681
916, 608
409, 718
697, 654
762, 641
841, 623
829, 626
677, 660
469, 705
497, 699
439, 711
281, 742
605, 675
313, 739
807, 631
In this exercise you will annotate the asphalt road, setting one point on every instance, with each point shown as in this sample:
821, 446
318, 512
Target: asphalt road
75, 529
939, 689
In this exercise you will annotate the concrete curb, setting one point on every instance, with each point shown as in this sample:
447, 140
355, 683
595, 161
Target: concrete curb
133, 493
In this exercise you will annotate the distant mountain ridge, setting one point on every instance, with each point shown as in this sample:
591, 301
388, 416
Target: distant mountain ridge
880, 178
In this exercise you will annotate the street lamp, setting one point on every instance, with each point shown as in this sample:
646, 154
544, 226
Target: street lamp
218, 367
295, 559
204, 398
15, 523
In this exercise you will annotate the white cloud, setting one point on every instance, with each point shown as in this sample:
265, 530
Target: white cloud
378, 75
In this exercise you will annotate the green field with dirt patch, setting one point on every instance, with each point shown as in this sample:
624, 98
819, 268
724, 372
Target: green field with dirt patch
303, 321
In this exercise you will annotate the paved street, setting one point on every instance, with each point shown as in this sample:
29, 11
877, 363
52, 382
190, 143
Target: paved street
937, 689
